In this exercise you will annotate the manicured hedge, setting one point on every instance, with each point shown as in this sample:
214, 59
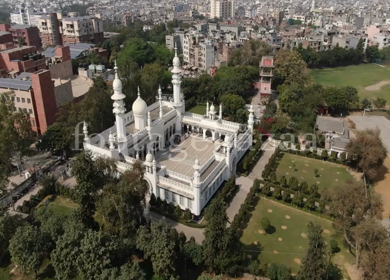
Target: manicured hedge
250, 159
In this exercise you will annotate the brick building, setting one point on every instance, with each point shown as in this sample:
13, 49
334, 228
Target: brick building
5, 37
34, 94
49, 28
30, 34
14, 60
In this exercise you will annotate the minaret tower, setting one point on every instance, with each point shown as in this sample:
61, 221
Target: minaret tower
119, 108
313, 5
176, 81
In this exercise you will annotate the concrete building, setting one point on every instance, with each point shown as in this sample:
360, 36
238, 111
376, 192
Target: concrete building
6, 37
345, 41
266, 74
336, 132
25, 16
57, 30
186, 156
29, 34
198, 52
223, 9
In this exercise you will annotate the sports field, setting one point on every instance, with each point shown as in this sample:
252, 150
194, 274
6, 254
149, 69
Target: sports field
286, 243
371, 80
329, 174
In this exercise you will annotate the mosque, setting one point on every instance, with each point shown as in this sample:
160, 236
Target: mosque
186, 156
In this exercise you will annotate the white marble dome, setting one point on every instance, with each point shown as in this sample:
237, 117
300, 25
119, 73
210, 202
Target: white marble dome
176, 61
212, 108
117, 85
139, 107
149, 157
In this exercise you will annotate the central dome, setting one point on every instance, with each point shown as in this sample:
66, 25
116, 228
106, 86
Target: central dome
139, 106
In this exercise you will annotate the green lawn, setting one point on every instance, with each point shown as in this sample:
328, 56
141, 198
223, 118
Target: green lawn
199, 109
285, 245
359, 76
330, 174
62, 206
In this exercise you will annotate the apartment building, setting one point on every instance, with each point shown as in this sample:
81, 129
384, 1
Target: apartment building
82, 30
198, 52
345, 41
58, 30
25, 16
222, 9
5, 37
23, 33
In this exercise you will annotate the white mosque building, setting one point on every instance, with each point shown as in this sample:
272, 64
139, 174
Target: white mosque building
186, 156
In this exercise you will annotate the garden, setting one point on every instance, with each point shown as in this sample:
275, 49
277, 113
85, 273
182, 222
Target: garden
277, 234
312, 171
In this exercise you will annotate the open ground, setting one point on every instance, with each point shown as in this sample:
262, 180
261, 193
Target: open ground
286, 242
330, 174
199, 109
371, 80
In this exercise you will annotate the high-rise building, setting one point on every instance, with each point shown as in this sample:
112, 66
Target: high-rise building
222, 9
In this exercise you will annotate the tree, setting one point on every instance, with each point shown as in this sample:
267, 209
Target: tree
316, 173
152, 76
194, 252
8, 227
366, 104
372, 53
231, 104
376, 263
290, 68
250, 53
340, 99
278, 193
350, 205
333, 245
304, 187
55, 139
222, 251
380, 103
298, 200
283, 181
314, 264
265, 223
158, 246
51, 225
367, 151
313, 190
28, 248
122, 204
21, 41
255, 268
278, 272
178, 212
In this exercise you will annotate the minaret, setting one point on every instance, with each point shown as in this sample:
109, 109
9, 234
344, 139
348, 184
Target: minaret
251, 120
85, 131
207, 109
111, 140
220, 112
313, 5
119, 107
176, 81
160, 101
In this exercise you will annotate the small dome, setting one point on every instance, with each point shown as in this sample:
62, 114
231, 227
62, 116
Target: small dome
117, 85
149, 157
212, 108
176, 61
139, 107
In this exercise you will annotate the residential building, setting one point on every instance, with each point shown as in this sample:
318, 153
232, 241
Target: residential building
49, 28
6, 37
144, 134
336, 132
23, 33
223, 9
266, 74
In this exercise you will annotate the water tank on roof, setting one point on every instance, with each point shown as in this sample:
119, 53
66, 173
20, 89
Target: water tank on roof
100, 67
92, 67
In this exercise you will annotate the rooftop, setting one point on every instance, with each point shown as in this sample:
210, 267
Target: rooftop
329, 124
15, 84
4, 33
75, 50
16, 49
20, 26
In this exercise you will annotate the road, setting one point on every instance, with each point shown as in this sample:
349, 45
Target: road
244, 183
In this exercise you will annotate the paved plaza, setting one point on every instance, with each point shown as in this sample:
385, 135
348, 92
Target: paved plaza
372, 122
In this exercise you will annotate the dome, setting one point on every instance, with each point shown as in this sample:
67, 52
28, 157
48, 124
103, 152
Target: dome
139, 106
212, 108
117, 84
149, 157
176, 61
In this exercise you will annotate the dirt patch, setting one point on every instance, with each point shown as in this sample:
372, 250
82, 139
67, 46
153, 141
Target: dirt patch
300, 247
377, 86
284, 227
297, 261
306, 164
336, 180
353, 272
382, 183
249, 256
326, 231
318, 182
287, 173
269, 210
255, 243
261, 231
304, 171
290, 167
338, 172
276, 252
288, 217
280, 239
303, 235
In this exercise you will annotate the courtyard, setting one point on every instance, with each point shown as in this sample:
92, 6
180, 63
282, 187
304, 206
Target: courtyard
372, 81
286, 242
329, 174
